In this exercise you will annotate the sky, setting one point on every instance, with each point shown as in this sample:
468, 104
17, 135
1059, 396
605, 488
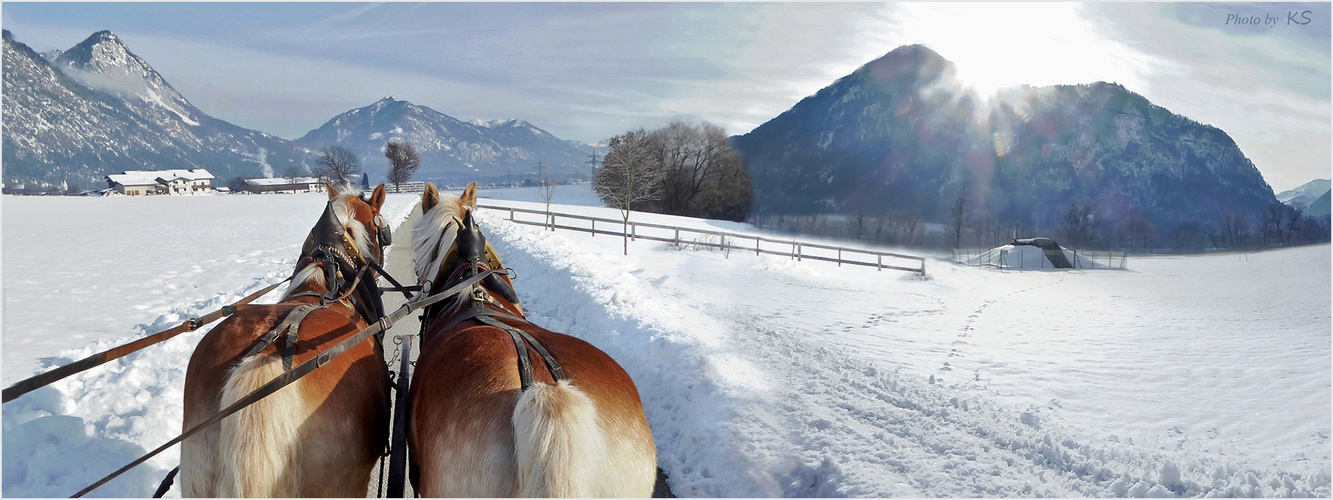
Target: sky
588, 71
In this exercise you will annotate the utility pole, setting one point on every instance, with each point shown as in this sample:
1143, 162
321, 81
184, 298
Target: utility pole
592, 160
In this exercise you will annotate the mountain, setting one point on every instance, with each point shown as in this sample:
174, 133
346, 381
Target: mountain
451, 151
902, 133
98, 108
1319, 207
1306, 193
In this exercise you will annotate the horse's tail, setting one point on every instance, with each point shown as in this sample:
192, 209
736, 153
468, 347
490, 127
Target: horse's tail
258, 442
558, 443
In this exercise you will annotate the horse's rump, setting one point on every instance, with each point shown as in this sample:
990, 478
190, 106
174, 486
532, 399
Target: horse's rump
334, 417
582, 437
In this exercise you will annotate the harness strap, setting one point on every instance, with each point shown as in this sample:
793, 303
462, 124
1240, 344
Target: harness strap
474, 312
291, 376
163, 488
290, 325
525, 366
397, 287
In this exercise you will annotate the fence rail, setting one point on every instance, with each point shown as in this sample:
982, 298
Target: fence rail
722, 240
1081, 259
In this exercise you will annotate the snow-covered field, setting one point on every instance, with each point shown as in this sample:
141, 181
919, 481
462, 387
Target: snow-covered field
761, 376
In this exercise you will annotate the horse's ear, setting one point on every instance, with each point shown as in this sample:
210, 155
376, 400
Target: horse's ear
469, 198
333, 193
430, 198
377, 198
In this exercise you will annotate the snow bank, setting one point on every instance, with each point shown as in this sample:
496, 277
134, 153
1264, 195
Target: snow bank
742, 405
760, 375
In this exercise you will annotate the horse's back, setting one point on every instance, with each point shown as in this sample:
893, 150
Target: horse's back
467, 402
332, 420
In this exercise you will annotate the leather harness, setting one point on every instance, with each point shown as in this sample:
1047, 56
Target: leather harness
328, 242
478, 257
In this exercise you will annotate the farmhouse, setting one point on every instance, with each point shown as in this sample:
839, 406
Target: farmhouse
285, 185
152, 182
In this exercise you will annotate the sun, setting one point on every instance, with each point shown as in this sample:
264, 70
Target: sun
1001, 45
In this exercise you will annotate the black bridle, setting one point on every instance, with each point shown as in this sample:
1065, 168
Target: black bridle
471, 260
344, 263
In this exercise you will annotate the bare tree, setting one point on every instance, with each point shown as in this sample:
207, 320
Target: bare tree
1138, 228
631, 176
292, 173
547, 192
337, 163
403, 161
702, 175
1293, 223
1236, 226
1273, 217
958, 222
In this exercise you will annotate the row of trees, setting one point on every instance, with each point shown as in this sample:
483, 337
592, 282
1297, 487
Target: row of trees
341, 164
684, 168
1076, 226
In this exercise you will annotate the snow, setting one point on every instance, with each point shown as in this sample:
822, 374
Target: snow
760, 375
152, 97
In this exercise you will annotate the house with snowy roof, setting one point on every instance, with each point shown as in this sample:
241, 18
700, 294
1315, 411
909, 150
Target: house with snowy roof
285, 185
152, 182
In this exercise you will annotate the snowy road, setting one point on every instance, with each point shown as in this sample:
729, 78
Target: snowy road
761, 376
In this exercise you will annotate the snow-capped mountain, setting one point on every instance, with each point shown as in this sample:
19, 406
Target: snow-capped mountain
452, 151
902, 133
97, 108
100, 109
1306, 193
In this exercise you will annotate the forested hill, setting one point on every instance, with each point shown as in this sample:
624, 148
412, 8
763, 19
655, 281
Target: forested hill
903, 134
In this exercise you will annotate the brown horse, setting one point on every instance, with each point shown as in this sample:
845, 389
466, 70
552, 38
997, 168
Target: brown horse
485, 425
319, 436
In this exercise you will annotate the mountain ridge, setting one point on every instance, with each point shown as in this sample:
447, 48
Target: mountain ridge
901, 133
451, 150
97, 108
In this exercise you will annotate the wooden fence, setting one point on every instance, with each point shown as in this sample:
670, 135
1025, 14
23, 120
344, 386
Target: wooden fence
722, 240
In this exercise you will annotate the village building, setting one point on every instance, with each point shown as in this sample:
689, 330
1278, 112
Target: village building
285, 185
154, 182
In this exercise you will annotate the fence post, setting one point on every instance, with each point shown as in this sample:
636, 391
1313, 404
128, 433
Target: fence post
756, 247
677, 236
839, 257
879, 262
594, 228
793, 250
511, 215
798, 252
634, 232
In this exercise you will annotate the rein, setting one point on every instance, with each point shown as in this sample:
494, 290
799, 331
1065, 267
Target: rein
38, 381
299, 371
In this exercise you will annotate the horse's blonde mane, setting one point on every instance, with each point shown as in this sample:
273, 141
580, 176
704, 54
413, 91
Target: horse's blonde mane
346, 214
431, 230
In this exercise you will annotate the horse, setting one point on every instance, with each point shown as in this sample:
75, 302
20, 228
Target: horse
484, 420
321, 435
